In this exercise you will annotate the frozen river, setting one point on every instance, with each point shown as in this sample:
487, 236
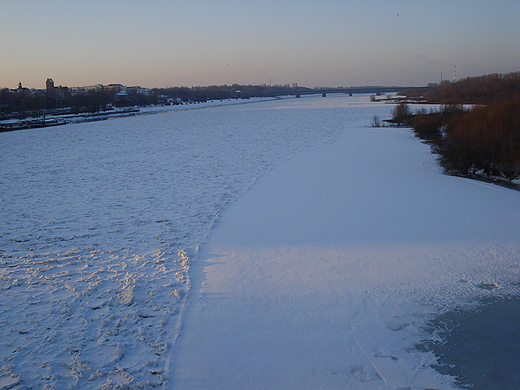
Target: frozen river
101, 220
339, 243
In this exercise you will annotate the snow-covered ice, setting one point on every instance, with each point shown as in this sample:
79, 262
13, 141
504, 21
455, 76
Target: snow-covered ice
324, 274
100, 222
119, 268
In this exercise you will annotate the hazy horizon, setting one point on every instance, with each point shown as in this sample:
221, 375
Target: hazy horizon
331, 43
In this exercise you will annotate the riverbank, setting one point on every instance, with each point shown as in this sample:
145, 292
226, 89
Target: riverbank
64, 117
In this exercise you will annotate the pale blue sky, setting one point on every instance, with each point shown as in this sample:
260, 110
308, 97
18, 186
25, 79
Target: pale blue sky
159, 43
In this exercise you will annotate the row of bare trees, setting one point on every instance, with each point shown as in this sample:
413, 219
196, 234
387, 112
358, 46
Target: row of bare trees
484, 140
24, 102
216, 92
476, 131
476, 90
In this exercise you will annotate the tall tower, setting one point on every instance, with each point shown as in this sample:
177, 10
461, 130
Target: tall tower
49, 86
454, 73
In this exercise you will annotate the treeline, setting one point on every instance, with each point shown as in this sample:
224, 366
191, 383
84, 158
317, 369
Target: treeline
476, 131
482, 141
221, 92
476, 90
23, 102
105, 98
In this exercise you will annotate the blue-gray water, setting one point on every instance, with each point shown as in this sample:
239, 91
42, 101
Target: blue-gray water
481, 346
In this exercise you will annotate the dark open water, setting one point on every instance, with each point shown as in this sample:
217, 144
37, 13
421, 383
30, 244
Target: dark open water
482, 345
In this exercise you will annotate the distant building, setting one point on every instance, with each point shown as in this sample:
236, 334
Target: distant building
116, 87
60, 94
49, 86
23, 89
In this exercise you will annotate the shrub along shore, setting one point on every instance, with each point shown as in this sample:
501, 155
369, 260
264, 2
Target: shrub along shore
480, 141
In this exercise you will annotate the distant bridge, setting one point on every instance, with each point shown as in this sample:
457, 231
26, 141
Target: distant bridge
324, 91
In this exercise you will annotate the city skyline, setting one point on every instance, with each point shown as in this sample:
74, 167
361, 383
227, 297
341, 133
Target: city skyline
332, 43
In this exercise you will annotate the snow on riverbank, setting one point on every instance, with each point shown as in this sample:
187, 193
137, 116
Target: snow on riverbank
325, 273
100, 222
